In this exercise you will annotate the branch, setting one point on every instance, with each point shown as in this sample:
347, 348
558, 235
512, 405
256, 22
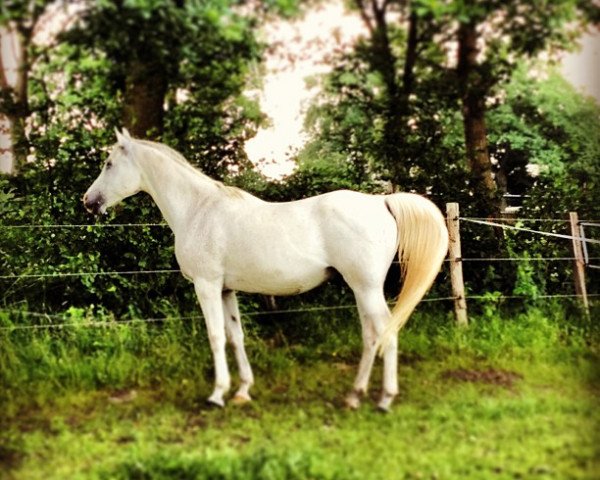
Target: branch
363, 14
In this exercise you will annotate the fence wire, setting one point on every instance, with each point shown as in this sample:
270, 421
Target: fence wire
178, 271
87, 274
522, 229
81, 225
139, 321
592, 223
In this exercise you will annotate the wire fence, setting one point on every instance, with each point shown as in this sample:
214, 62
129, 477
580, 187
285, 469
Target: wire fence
178, 271
522, 229
477, 220
493, 222
86, 274
323, 308
81, 225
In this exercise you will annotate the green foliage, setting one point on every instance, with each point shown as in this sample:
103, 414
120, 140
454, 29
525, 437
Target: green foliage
549, 125
218, 466
23, 13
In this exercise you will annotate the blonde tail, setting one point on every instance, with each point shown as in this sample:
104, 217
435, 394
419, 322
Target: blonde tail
422, 247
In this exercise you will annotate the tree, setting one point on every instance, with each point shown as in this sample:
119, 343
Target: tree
18, 24
432, 57
473, 93
146, 42
492, 36
379, 53
385, 108
348, 122
178, 70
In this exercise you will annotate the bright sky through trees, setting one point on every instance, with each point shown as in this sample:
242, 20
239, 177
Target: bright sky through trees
301, 50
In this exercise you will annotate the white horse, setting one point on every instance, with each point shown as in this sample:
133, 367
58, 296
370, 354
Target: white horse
228, 240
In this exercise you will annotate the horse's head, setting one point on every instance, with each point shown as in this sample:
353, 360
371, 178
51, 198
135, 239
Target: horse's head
120, 177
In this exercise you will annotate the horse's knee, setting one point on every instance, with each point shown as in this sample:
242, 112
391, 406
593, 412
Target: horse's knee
216, 340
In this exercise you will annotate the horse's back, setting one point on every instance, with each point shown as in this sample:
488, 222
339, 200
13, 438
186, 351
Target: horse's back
352, 232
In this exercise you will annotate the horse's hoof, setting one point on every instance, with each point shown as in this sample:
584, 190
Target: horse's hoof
240, 399
353, 401
215, 402
385, 403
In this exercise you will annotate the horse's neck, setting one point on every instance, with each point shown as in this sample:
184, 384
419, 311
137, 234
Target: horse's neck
175, 189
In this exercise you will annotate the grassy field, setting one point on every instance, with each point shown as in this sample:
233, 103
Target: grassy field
504, 399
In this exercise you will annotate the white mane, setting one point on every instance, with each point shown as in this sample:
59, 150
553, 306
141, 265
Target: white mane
171, 154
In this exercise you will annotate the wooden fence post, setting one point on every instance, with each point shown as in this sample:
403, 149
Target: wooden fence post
579, 262
455, 257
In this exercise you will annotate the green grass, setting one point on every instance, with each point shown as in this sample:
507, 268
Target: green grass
503, 399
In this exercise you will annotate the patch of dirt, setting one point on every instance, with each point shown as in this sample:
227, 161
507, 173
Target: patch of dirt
25, 420
122, 396
491, 376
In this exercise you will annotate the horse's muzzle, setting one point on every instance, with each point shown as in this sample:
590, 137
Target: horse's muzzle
93, 204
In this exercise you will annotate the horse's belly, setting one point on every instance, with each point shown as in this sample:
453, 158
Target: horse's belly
274, 281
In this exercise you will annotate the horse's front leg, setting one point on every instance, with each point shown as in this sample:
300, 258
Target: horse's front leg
209, 296
235, 334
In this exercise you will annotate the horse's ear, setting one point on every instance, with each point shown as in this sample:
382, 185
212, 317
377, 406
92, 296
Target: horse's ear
124, 134
123, 139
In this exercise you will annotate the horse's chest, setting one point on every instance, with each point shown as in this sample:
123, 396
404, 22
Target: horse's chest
199, 256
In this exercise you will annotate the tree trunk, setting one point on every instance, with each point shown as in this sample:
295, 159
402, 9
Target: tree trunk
15, 101
473, 111
408, 76
384, 61
145, 89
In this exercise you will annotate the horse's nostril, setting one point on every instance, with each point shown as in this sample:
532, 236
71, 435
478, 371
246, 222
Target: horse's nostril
93, 205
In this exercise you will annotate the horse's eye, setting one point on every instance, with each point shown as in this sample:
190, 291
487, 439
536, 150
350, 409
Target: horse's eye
108, 165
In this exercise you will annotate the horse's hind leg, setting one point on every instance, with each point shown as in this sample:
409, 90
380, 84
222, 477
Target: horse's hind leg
235, 334
375, 315
390, 374
361, 383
